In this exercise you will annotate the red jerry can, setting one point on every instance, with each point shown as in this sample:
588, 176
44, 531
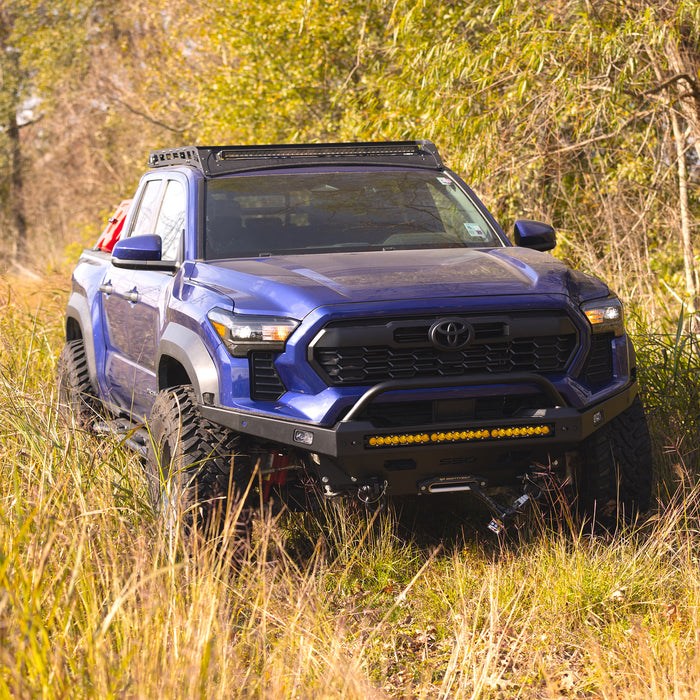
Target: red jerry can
114, 227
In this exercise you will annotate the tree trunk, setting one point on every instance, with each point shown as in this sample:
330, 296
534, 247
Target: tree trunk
10, 78
691, 283
687, 89
18, 220
676, 102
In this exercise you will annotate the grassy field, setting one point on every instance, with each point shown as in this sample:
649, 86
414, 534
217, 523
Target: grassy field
96, 600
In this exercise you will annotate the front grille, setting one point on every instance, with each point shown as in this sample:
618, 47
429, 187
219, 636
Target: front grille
526, 342
365, 365
599, 365
265, 383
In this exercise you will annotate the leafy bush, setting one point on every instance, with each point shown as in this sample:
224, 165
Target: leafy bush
669, 377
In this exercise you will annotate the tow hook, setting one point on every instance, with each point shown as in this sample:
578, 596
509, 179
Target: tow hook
474, 485
373, 492
501, 515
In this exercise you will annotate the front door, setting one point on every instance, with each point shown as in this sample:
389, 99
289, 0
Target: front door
135, 311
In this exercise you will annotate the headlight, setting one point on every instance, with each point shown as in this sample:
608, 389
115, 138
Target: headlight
605, 315
242, 333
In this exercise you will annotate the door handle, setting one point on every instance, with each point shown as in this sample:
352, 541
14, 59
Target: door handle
132, 296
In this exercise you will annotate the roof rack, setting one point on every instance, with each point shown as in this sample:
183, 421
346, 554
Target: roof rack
219, 160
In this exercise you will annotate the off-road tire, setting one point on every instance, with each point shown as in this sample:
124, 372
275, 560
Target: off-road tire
191, 463
77, 400
616, 474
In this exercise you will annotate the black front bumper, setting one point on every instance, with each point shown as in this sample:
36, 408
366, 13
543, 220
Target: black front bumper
354, 451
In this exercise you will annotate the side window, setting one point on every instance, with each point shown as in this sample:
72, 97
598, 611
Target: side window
171, 220
148, 209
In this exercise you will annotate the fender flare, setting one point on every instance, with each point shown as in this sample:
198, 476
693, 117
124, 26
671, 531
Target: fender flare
185, 346
78, 310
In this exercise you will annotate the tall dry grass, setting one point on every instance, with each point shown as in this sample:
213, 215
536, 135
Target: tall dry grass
96, 600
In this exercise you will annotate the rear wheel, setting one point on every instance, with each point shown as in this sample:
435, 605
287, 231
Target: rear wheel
191, 462
616, 474
77, 398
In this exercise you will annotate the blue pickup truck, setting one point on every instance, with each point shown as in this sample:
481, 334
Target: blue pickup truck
348, 319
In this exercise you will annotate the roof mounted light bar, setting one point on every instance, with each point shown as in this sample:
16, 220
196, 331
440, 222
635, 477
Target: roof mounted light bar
219, 160
363, 150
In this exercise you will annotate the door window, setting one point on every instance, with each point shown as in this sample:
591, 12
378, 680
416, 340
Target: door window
148, 209
171, 219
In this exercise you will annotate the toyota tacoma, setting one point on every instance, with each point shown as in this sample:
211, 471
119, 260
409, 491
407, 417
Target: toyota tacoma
321, 320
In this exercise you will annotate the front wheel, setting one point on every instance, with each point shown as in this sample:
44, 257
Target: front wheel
75, 393
190, 462
616, 473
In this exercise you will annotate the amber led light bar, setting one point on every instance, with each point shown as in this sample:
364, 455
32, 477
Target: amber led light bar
456, 436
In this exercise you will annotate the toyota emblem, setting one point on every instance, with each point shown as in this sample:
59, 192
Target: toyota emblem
450, 334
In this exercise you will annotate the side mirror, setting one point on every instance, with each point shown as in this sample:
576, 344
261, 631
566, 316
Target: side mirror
138, 248
140, 252
534, 234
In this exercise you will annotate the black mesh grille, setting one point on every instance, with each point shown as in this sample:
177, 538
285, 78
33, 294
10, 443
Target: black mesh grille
599, 365
265, 383
371, 364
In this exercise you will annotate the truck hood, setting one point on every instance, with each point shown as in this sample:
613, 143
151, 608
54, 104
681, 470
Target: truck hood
295, 285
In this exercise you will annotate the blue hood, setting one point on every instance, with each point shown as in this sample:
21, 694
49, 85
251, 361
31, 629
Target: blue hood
295, 285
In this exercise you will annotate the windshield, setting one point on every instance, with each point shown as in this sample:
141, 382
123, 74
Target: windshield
293, 213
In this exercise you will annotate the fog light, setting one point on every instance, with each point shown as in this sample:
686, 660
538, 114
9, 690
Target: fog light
304, 437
